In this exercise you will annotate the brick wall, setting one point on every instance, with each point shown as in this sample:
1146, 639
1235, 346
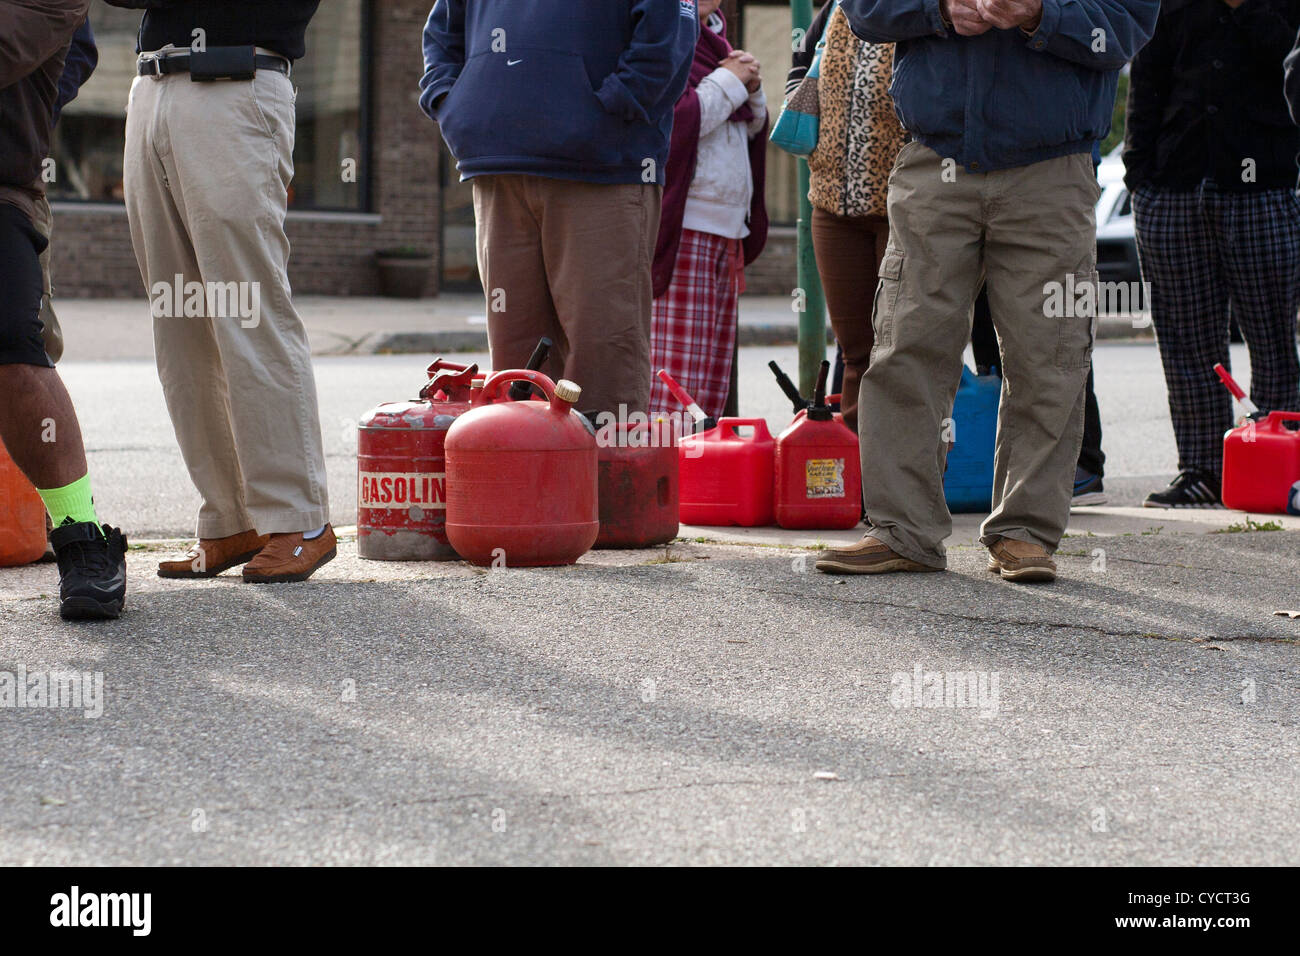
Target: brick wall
775, 272
331, 254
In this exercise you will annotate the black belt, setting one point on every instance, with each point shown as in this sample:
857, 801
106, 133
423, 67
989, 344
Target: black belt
218, 65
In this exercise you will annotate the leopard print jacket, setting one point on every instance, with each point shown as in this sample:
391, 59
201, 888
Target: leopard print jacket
860, 135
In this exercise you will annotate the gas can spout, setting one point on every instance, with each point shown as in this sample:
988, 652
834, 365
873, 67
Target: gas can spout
566, 395
818, 410
521, 390
798, 401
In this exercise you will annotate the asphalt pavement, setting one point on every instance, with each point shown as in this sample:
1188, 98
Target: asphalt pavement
712, 701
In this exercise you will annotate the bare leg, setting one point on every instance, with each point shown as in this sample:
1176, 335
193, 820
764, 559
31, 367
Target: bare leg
39, 426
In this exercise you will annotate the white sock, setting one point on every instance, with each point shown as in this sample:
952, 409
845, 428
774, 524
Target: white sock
309, 535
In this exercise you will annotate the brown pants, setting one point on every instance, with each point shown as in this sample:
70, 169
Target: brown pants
571, 261
849, 250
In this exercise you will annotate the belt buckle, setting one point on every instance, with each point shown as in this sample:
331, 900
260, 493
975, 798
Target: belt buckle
156, 60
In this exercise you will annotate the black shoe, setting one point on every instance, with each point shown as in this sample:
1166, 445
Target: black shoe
92, 570
1088, 489
1191, 489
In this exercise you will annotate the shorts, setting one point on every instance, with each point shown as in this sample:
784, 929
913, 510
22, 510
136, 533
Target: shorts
21, 288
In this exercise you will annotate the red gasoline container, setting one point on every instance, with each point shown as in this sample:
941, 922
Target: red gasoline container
522, 488
1261, 460
726, 477
22, 516
638, 484
818, 473
401, 470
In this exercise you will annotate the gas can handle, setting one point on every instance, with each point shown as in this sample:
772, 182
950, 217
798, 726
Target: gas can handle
498, 380
453, 375
440, 364
1277, 418
729, 425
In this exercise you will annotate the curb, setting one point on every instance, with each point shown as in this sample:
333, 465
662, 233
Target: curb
771, 334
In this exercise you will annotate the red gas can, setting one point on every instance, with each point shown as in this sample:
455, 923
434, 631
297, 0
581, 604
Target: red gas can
818, 474
1261, 460
522, 487
401, 470
22, 516
638, 484
818, 471
726, 477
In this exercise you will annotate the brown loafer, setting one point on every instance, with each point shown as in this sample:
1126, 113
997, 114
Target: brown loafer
1021, 561
211, 556
868, 556
290, 557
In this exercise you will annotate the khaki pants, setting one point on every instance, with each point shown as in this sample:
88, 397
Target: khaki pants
949, 229
571, 261
206, 172
52, 332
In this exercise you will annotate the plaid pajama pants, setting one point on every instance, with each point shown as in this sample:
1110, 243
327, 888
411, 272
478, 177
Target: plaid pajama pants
1208, 254
693, 329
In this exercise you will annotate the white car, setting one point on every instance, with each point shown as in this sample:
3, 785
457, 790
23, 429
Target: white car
1117, 257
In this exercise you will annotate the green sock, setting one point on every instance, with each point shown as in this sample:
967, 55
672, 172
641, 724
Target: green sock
70, 503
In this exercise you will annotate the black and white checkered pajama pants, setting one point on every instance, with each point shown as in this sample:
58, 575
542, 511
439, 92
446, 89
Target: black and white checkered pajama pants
1208, 254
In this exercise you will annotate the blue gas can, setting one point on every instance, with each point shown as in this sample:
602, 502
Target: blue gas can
968, 482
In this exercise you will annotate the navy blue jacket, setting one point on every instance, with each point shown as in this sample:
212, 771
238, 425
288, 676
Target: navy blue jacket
1003, 99
83, 57
567, 89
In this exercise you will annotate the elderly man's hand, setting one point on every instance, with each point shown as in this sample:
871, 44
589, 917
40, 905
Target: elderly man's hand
1005, 14
964, 16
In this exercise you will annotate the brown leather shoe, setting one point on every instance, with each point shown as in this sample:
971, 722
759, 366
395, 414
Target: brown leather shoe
290, 557
211, 556
1021, 561
868, 556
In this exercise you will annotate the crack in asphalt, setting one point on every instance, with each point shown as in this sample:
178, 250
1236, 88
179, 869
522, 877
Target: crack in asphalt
1148, 635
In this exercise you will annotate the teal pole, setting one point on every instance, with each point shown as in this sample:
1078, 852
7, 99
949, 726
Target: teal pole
812, 318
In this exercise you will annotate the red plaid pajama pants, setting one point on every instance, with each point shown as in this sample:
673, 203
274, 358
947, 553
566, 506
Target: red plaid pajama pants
693, 330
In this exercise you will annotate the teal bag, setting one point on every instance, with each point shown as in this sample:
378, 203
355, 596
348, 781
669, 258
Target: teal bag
798, 126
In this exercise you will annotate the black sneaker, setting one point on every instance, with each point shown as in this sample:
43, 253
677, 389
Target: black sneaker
1191, 489
92, 570
1088, 489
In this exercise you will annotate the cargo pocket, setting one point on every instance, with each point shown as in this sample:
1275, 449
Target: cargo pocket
882, 314
1075, 330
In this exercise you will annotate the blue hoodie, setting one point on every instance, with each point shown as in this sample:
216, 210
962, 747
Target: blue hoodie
1003, 99
567, 89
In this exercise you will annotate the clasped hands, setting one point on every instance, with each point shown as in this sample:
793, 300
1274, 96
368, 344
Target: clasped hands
973, 17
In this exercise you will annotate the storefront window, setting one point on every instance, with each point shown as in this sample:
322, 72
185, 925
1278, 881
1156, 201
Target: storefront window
766, 34
89, 139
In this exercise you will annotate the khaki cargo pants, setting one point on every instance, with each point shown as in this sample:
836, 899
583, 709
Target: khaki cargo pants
1023, 229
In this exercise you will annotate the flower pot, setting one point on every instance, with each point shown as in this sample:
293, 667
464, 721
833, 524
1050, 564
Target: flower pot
404, 277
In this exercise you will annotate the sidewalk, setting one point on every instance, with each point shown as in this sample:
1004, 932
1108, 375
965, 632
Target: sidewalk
104, 329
